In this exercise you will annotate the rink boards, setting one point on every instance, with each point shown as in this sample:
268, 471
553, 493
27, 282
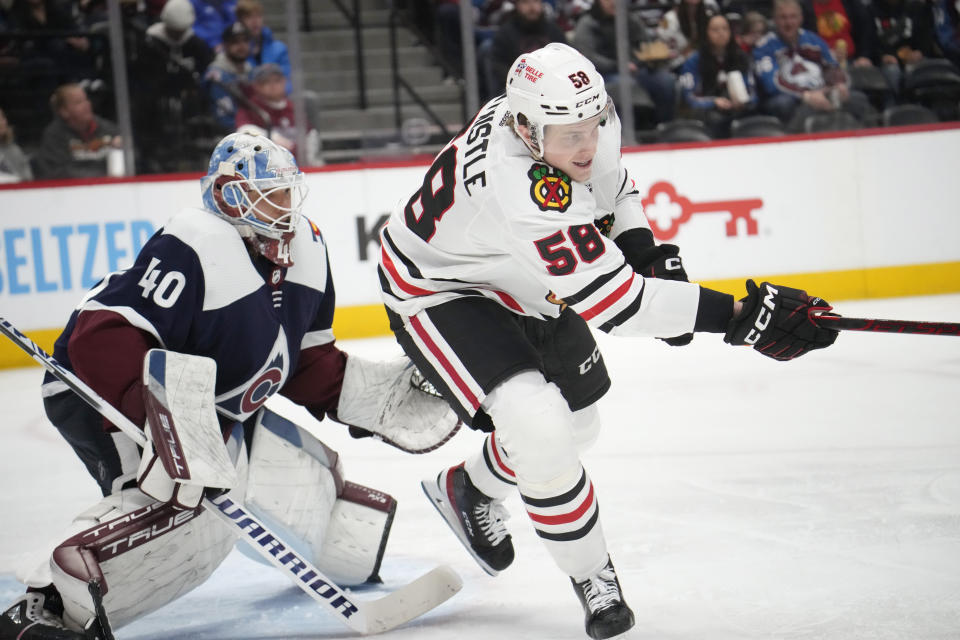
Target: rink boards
848, 215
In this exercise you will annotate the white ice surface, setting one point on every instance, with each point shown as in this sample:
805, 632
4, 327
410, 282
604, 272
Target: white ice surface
741, 498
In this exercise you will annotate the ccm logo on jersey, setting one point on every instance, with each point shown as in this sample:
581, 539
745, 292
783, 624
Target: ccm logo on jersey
764, 317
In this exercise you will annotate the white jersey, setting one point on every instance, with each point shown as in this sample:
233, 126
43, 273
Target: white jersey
490, 220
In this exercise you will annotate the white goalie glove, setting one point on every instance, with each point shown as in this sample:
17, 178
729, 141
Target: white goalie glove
393, 402
185, 450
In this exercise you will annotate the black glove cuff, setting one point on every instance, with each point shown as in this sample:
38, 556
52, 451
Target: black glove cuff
714, 311
636, 245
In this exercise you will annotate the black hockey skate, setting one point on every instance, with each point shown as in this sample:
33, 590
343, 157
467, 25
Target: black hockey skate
37, 615
607, 615
475, 518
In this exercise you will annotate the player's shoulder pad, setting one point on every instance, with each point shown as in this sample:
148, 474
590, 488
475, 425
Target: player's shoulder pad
309, 256
228, 274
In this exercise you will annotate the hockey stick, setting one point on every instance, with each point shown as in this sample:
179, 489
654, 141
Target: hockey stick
363, 616
841, 323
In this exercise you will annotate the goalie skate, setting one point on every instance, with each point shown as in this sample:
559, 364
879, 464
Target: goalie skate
37, 615
475, 518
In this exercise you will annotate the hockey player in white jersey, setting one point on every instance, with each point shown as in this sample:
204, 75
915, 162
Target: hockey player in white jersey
224, 307
526, 229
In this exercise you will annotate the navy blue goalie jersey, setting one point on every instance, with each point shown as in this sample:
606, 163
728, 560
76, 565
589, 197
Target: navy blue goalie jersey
195, 289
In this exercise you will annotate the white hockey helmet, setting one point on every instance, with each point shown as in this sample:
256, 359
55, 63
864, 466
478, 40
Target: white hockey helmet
553, 85
245, 172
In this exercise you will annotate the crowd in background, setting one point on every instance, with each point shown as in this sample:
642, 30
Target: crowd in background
200, 68
801, 65
196, 69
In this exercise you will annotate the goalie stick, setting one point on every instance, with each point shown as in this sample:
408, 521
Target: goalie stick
363, 616
842, 323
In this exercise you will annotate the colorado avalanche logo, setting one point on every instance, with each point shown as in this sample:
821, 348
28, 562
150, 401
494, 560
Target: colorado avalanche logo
549, 188
798, 71
262, 388
242, 401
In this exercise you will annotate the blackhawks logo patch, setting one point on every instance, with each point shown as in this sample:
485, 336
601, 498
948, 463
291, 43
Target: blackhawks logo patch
605, 224
549, 188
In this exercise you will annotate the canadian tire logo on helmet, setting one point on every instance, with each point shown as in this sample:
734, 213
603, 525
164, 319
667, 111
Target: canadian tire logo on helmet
549, 188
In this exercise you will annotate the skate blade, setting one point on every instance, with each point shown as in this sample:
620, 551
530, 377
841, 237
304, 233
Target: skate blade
439, 501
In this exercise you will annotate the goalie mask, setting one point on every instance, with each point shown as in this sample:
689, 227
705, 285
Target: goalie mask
552, 86
255, 184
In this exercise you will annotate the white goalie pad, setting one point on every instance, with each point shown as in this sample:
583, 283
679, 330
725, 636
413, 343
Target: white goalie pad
146, 553
187, 451
296, 487
384, 399
357, 535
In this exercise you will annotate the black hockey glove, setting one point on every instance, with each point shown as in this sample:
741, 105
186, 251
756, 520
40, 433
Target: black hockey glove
776, 322
663, 262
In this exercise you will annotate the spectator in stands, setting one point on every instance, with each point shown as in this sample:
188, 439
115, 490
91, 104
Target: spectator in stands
228, 76
65, 57
902, 35
595, 37
754, 26
683, 27
212, 18
798, 75
167, 91
716, 81
76, 143
264, 48
14, 164
176, 53
270, 111
525, 29
946, 24
841, 23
